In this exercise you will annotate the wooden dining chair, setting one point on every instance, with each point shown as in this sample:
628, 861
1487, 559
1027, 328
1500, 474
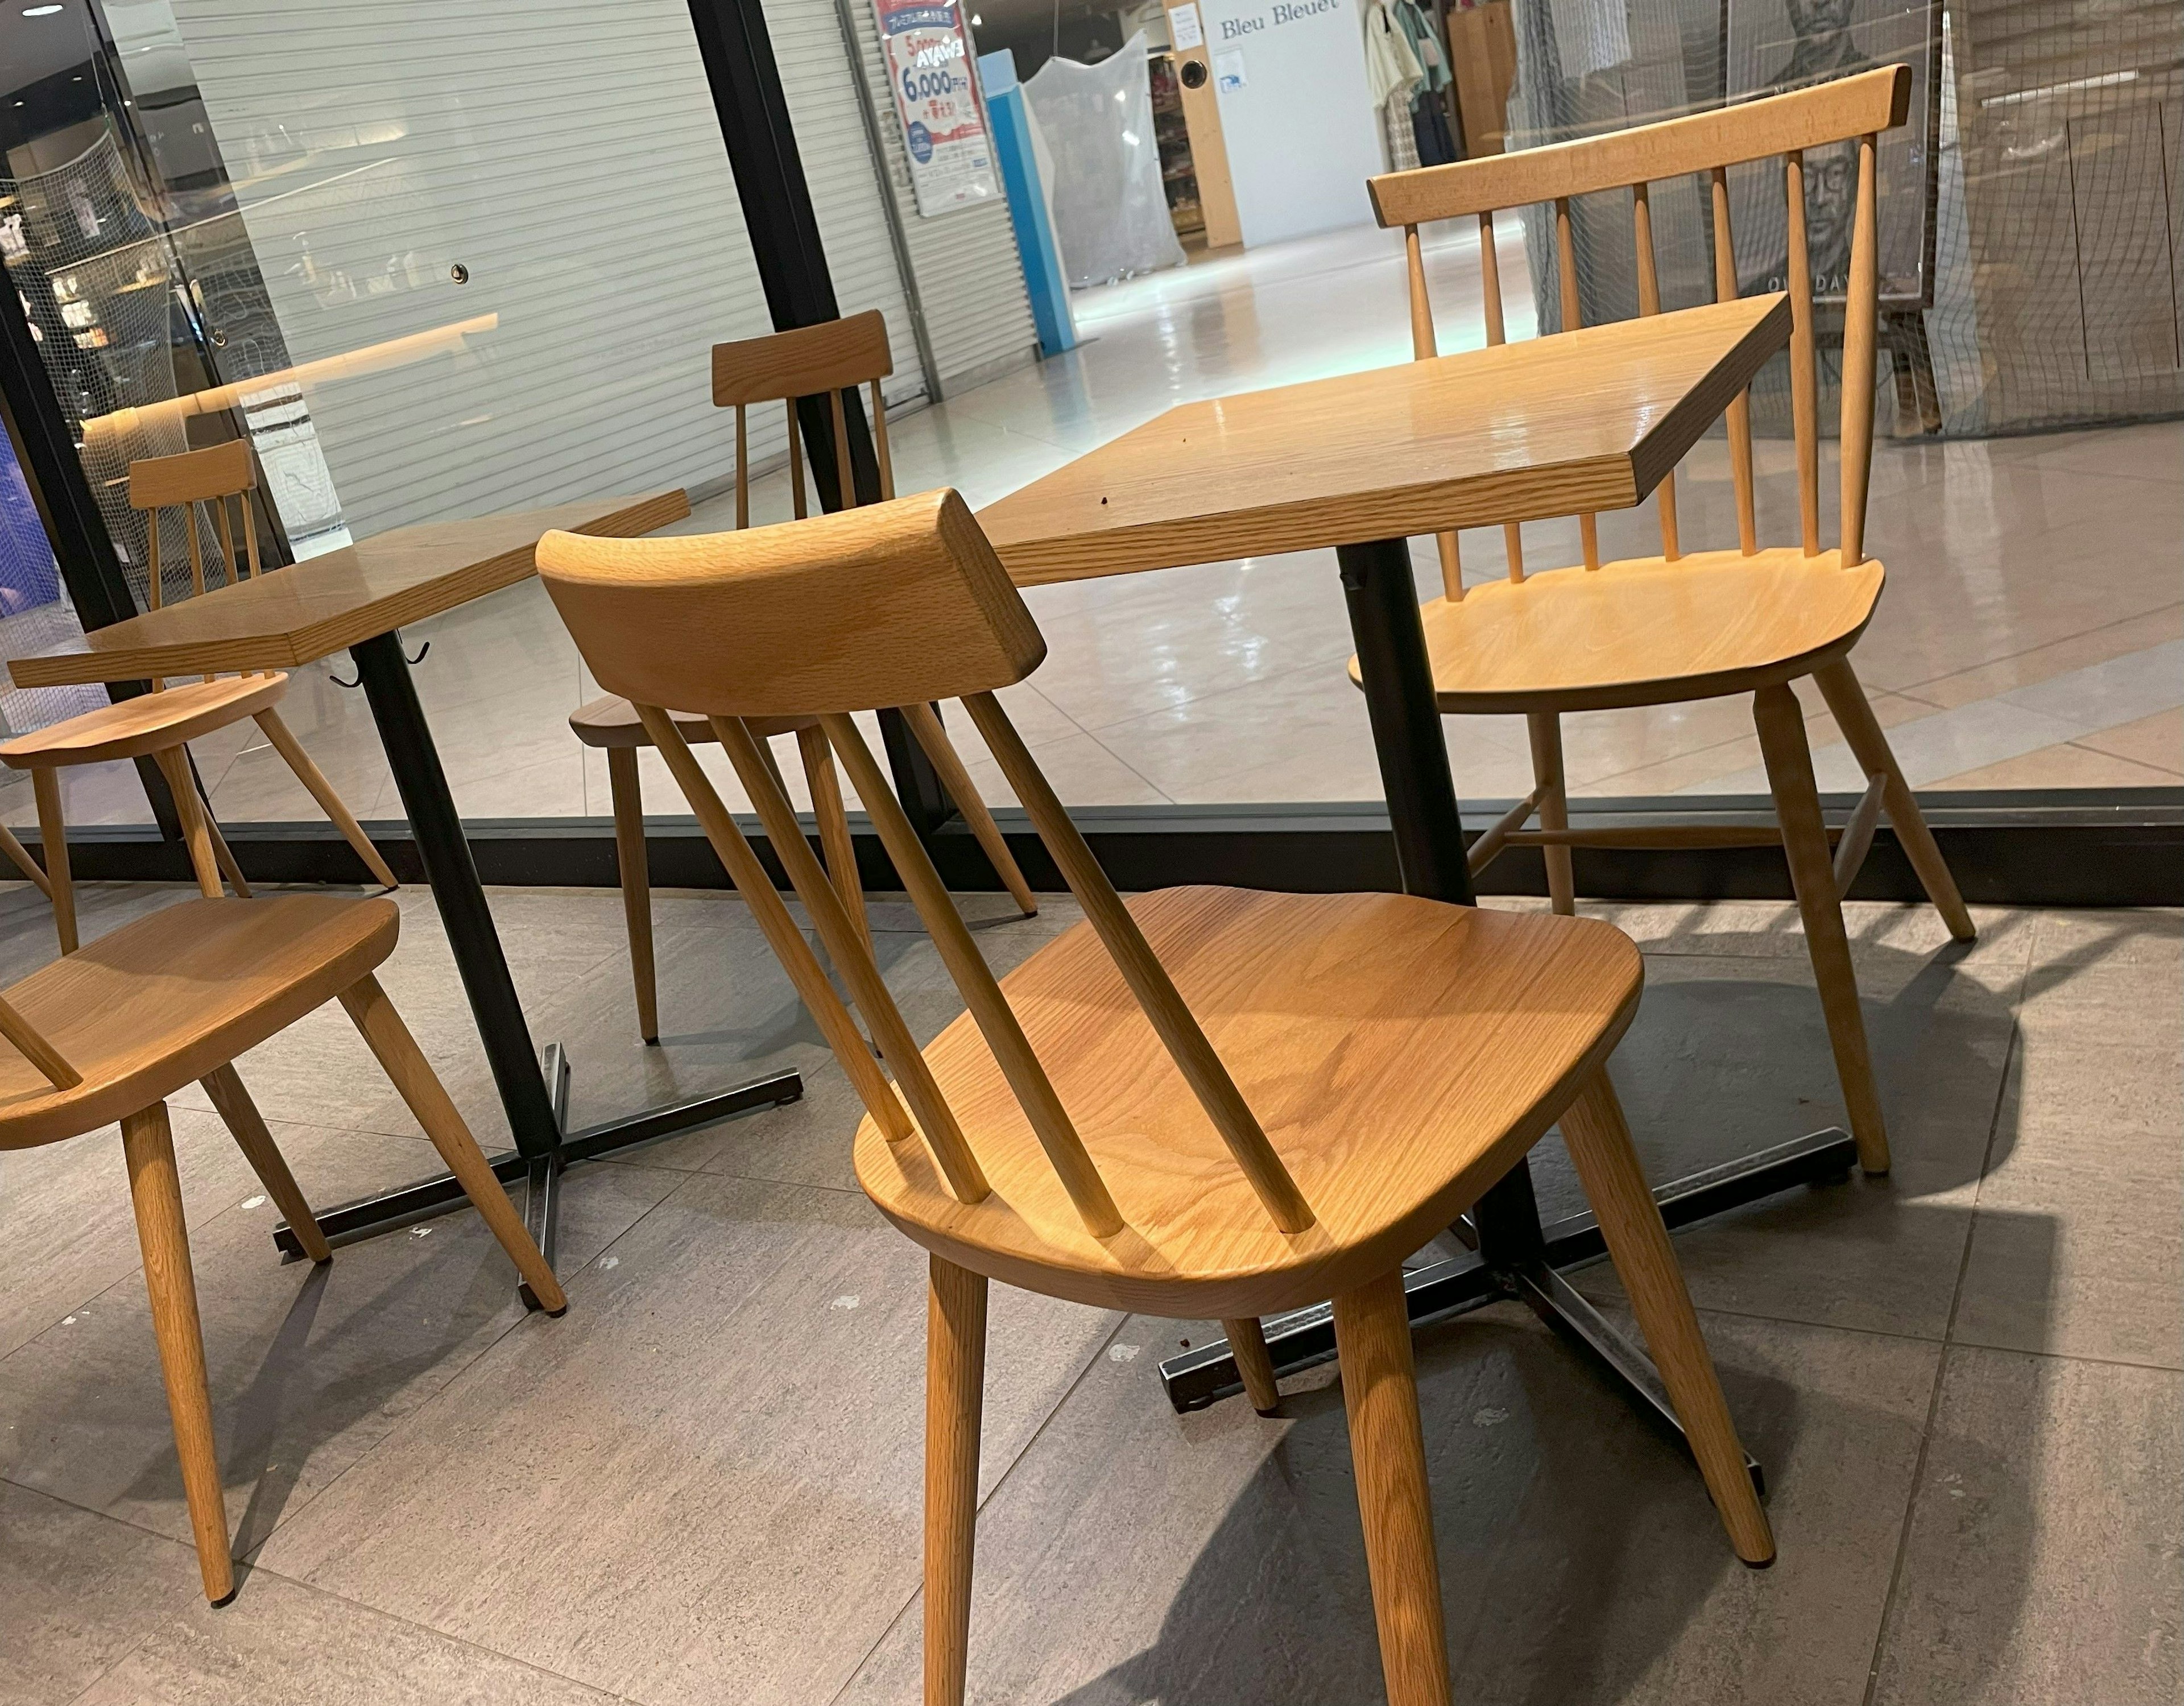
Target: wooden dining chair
160, 724
1683, 626
1203, 1102
108, 1032
830, 359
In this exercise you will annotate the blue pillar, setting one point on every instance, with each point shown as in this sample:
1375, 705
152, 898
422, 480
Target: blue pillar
1043, 278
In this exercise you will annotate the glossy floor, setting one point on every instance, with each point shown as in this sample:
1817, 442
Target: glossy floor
703, 1482
2032, 635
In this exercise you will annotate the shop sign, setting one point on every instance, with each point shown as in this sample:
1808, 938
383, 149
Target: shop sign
936, 98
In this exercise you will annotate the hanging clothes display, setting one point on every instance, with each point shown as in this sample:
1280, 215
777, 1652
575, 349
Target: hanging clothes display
1423, 36
1436, 141
1392, 73
1111, 213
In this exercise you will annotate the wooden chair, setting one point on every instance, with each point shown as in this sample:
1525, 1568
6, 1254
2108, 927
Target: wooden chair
160, 724
836, 356
107, 1032
1205, 1102
1677, 627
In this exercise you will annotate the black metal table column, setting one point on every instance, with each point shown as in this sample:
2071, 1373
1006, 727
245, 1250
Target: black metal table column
1514, 1256
533, 1092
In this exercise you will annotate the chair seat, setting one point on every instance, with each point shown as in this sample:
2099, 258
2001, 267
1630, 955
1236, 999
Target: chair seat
132, 727
1401, 1055
1644, 631
612, 721
160, 1003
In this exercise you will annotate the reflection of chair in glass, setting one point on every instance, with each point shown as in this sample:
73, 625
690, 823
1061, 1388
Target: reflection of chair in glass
1092, 1128
160, 724
828, 359
107, 1033
1663, 630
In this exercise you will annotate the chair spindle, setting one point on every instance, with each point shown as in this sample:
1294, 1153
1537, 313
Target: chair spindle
1490, 281
1425, 347
880, 443
1588, 524
1649, 302
1858, 334
1804, 378
32, 1045
795, 461
845, 484
1739, 412
743, 472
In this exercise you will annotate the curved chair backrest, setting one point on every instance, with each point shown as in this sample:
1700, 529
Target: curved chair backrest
211, 476
892, 605
1851, 111
831, 358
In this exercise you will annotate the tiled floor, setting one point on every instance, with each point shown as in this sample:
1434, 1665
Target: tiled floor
2032, 635
702, 1484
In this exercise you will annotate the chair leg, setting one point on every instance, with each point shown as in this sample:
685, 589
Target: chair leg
336, 810
157, 1193
19, 855
1861, 730
955, 1398
242, 1117
419, 1087
925, 724
834, 838
222, 855
1781, 724
1547, 731
175, 765
1387, 1447
634, 865
1247, 1343
1599, 1144
53, 842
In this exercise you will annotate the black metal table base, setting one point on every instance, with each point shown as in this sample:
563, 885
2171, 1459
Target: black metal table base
534, 1095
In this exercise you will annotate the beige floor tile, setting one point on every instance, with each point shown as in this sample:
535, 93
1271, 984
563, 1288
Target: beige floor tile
2156, 740
2041, 1560
2040, 663
2069, 765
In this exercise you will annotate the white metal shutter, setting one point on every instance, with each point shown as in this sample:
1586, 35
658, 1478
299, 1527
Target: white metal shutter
968, 275
833, 141
569, 157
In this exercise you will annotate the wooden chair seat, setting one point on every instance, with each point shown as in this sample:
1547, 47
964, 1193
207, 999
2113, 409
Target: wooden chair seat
161, 1002
611, 722
1399, 1053
148, 723
1646, 631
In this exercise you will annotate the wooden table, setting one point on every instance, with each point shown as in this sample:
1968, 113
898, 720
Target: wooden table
358, 598
1591, 420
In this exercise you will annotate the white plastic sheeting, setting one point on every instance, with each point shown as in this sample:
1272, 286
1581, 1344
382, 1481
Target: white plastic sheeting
1110, 208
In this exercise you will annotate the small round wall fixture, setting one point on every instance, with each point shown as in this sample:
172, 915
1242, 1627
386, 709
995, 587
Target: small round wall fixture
460, 273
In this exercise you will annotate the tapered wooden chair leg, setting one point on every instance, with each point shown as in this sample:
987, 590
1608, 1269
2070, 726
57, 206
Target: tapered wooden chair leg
1547, 732
330, 802
834, 817
1599, 1144
53, 842
156, 1190
222, 855
240, 1114
1380, 1390
955, 1398
1247, 1343
1861, 731
419, 1087
1781, 724
948, 763
631, 863
19, 855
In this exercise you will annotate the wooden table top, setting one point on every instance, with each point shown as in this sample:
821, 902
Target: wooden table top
1591, 420
312, 609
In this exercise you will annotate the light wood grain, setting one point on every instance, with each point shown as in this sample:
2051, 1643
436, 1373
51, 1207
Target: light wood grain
631, 865
1545, 730
30, 1043
1781, 725
219, 470
139, 726
309, 610
1573, 319
330, 802
161, 1001
1860, 312
1739, 412
832, 817
53, 843
1247, 1344
955, 1405
1804, 372
1387, 1445
1401, 1053
888, 604
1861, 731
1645, 632
1599, 1144
434, 1109
1876, 100
1497, 333
1856, 838
189, 811
19, 855
1591, 420
1649, 303
955, 779
240, 1114
156, 1190
833, 355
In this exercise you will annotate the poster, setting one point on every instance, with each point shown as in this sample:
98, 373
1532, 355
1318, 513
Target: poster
936, 98
1790, 44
